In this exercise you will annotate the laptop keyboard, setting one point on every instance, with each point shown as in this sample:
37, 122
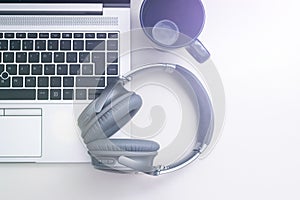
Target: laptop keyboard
58, 65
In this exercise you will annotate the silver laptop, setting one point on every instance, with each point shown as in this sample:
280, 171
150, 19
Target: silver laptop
55, 57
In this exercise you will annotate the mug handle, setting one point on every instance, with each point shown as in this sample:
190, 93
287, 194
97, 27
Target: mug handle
198, 51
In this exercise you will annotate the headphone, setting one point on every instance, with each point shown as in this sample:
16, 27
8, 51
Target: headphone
116, 106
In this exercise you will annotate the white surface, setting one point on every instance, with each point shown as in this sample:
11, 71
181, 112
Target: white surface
255, 45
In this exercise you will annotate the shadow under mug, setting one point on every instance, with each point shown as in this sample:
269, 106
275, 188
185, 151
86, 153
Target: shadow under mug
175, 24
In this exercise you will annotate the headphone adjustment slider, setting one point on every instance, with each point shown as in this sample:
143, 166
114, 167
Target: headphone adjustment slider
203, 148
125, 79
158, 169
169, 68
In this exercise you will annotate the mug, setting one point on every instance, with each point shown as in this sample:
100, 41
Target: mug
175, 24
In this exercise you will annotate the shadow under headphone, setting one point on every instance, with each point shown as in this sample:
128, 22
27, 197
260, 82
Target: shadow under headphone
116, 106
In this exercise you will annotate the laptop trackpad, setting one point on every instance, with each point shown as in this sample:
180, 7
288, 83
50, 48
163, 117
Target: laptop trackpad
20, 132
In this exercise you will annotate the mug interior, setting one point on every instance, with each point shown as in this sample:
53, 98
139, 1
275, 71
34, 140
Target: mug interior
188, 15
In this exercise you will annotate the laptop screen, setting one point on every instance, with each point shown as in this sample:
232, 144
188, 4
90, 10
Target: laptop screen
66, 1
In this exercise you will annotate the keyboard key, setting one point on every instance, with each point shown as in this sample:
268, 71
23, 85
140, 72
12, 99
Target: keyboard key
112, 80
32, 35
17, 82
9, 35
49, 69
113, 35
24, 69
72, 57
101, 35
11, 69
1, 68
1, 35
74, 69
100, 68
43, 94
55, 94
44, 35
3, 45
43, 81
8, 57
68, 82
78, 35
112, 70
15, 45
21, 35
112, 57
94, 45
90, 35
4, 83
87, 69
67, 35
65, 45
55, 82
5, 75
93, 93
46, 57
27, 45
84, 57
53, 45
98, 57
112, 45
80, 94
78, 45
99, 60
90, 81
55, 35
68, 94
21, 57
17, 94
34, 57
62, 70
36, 69
40, 45
30, 82
59, 57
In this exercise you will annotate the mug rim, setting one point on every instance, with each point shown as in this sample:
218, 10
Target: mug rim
172, 46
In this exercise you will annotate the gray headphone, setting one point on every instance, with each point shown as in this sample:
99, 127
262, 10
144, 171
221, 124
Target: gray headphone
116, 106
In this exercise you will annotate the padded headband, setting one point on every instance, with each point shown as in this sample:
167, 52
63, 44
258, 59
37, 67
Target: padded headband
205, 124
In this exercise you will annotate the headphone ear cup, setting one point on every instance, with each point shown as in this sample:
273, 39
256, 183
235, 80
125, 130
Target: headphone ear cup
113, 117
87, 114
111, 91
138, 155
120, 114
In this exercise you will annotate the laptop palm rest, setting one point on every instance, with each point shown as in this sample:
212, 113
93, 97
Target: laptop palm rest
20, 132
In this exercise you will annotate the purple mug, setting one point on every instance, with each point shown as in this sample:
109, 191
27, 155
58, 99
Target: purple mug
175, 24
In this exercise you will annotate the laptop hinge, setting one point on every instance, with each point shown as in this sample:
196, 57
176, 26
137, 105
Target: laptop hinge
51, 9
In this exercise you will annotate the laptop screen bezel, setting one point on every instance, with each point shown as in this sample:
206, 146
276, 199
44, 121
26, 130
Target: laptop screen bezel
67, 1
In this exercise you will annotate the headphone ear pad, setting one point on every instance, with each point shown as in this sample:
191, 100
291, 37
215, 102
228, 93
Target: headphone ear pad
121, 145
113, 117
120, 114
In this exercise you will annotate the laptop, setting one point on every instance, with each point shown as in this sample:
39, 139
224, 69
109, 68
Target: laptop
56, 56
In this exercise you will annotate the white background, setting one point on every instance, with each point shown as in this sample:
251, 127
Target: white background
255, 45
